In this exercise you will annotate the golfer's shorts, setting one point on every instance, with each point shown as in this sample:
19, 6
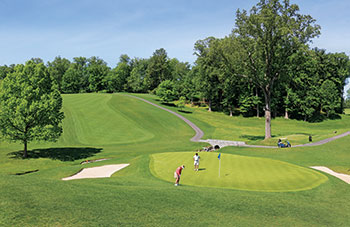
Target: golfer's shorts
175, 175
196, 163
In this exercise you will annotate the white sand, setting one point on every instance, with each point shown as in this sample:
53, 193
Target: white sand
97, 172
341, 176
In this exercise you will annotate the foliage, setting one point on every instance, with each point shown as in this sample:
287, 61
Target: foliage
30, 105
166, 91
57, 68
158, 69
182, 102
329, 97
97, 70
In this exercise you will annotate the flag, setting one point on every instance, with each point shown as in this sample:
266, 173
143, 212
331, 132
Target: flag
219, 156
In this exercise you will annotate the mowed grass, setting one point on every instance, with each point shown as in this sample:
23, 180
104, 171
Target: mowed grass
236, 172
134, 196
103, 124
217, 125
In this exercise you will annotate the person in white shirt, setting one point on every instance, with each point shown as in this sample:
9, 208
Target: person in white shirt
196, 161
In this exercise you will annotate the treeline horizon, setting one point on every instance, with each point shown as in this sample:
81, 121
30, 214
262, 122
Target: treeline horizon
172, 79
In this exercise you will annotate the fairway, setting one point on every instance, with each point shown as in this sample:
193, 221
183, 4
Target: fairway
98, 121
237, 172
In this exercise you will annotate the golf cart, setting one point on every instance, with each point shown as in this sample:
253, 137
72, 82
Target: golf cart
283, 143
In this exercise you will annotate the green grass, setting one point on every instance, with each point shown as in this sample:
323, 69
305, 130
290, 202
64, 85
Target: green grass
347, 111
236, 172
126, 130
217, 125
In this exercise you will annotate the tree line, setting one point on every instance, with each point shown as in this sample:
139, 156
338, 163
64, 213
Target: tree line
265, 67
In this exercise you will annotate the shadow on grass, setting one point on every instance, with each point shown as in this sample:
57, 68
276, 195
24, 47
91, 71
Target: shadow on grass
201, 169
250, 137
31, 171
62, 154
184, 111
168, 104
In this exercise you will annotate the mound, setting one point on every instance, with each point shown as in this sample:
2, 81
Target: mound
237, 172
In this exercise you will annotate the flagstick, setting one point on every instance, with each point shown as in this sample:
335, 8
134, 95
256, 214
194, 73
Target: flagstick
219, 166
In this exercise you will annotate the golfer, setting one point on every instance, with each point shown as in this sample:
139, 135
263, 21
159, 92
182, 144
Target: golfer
177, 174
196, 161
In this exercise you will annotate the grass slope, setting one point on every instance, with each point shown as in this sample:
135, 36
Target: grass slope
216, 125
134, 196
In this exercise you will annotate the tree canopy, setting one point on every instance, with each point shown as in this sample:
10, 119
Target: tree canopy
30, 105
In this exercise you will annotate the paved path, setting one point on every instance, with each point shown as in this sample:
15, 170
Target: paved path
97, 172
341, 176
224, 143
199, 132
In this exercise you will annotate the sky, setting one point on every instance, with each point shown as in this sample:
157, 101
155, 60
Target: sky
109, 28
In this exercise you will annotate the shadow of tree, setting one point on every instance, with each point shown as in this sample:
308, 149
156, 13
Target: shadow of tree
168, 104
184, 111
59, 153
250, 137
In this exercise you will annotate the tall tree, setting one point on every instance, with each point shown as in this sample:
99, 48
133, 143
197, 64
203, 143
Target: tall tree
209, 72
117, 78
57, 68
136, 80
30, 105
330, 99
97, 70
272, 31
158, 69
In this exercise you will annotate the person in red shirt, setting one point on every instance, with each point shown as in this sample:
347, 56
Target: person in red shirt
177, 174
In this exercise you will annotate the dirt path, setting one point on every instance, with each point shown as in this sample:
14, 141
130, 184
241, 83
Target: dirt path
224, 143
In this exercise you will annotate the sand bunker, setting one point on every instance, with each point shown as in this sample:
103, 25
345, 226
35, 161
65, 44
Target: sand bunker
341, 176
97, 172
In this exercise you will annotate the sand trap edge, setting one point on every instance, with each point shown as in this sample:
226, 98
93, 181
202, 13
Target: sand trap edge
97, 172
341, 176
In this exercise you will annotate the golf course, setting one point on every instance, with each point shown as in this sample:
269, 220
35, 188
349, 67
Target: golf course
256, 186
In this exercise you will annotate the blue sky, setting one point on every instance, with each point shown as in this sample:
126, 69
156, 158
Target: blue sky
109, 28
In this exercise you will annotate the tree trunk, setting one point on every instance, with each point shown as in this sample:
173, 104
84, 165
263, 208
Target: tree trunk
209, 106
25, 152
257, 105
231, 112
286, 116
267, 115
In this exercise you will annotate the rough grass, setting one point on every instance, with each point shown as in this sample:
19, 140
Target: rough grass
135, 197
251, 130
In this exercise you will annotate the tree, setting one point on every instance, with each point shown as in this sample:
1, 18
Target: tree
166, 92
117, 78
136, 80
71, 80
158, 69
30, 105
97, 70
330, 99
268, 35
209, 73
57, 68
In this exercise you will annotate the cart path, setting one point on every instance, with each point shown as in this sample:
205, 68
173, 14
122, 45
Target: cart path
224, 143
341, 176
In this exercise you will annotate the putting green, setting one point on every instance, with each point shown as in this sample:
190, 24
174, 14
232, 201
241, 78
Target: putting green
237, 172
